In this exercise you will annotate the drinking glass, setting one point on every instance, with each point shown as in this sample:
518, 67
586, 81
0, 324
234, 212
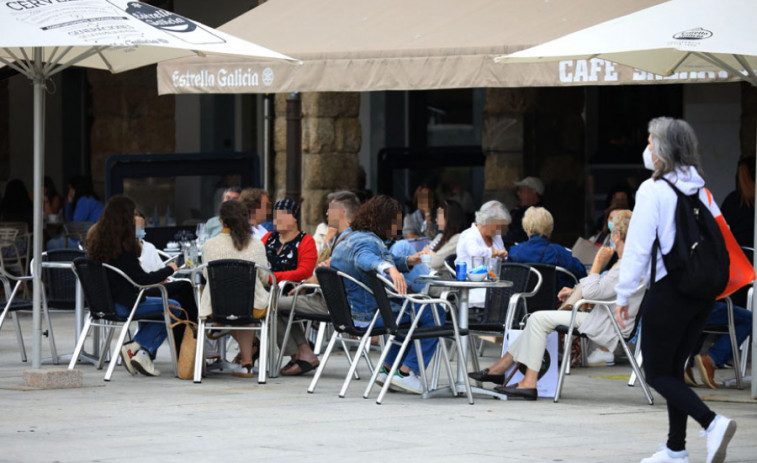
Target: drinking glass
476, 261
493, 266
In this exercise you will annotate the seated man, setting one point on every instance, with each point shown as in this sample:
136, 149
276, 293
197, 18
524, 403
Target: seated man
213, 226
342, 208
257, 203
720, 352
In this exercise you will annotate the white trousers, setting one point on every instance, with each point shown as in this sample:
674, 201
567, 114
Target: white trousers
529, 348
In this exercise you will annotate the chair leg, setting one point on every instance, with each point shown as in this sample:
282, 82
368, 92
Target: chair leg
393, 368
362, 346
639, 360
379, 364
322, 329
736, 361
280, 357
266, 351
50, 335
349, 357
105, 348
319, 371
80, 343
448, 365
466, 380
19, 335
564, 366
117, 351
199, 352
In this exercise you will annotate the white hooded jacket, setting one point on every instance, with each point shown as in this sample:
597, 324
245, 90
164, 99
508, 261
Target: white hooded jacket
654, 216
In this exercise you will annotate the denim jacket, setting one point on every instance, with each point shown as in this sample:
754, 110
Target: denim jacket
357, 254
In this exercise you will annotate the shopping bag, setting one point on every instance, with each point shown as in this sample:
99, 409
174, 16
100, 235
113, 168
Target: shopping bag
186, 360
546, 385
741, 271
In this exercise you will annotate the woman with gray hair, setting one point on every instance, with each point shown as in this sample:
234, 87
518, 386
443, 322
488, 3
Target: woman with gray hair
484, 239
672, 320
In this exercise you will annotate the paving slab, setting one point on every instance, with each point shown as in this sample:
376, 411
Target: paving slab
164, 419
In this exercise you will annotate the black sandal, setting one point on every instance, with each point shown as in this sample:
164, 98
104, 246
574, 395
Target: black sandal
304, 367
484, 377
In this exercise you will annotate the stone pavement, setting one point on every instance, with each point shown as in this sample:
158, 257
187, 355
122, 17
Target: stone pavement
599, 419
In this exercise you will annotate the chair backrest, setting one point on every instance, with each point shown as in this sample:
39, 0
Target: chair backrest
449, 263
8, 235
546, 297
383, 302
96, 288
232, 290
22, 227
495, 306
61, 283
335, 294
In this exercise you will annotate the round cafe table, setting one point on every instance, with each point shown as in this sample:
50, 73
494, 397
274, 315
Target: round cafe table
463, 287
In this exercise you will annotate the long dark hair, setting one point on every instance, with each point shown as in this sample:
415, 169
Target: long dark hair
235, 217
82, 187
377, 216
16, 205
115, 232
455, 222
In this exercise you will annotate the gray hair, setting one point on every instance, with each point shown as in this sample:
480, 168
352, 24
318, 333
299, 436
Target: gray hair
347, 200
675, 144
492, 211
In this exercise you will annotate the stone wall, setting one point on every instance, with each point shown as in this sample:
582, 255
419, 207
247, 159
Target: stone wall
331, 137
128, 117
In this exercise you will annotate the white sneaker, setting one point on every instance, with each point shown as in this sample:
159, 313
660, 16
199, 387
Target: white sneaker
600, 358
381, 378
128, 351
143, 363
410, 383
719, 434
663, 456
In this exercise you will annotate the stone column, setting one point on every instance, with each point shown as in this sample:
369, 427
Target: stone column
128, 117
331, 138
502, 140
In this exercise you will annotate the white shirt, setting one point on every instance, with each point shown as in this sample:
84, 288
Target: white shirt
150, 259
470, 244
654, 216
258, 231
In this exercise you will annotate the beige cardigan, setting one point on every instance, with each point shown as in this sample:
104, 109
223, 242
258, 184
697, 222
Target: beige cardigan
221, 247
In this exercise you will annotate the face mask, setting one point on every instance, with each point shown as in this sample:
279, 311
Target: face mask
141, 234
609, 226
647, 156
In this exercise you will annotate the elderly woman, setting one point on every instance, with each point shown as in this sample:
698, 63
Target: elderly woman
672, 319
528, 348
360, 250
483, 239
236, 242
538, 224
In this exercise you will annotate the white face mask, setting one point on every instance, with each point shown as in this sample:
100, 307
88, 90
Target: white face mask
647, 156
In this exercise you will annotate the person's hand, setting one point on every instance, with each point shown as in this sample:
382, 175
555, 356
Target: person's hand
173, 266
399, 281
330, 234
415, 259
325, 263
621, 313
499, 253
604, 255
564, 294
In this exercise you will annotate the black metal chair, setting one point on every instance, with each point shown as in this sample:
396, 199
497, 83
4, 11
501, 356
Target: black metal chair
402, 336
231, 283
449, 264
13, 304
60, 283
729, 330
102, 311
501, 301
340, 315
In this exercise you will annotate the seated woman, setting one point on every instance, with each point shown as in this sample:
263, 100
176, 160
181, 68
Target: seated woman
483, 239
113, 240
450, 219
291, 252
538, 224
361, 250
235, 242
528, 348
82, 204
420, 222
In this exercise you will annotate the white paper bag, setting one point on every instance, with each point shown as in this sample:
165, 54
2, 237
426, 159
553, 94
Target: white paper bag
546, 385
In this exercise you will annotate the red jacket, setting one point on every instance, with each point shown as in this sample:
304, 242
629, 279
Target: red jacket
307, 255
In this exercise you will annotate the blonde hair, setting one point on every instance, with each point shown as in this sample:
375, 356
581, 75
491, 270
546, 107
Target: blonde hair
538, 221
620, 222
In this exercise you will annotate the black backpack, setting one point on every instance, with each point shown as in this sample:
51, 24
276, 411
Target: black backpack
698, 262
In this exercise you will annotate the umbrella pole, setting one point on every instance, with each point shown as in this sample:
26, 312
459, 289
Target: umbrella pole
39, 147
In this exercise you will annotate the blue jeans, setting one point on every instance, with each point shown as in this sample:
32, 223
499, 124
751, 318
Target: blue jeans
150, 334
721, 352
428, 346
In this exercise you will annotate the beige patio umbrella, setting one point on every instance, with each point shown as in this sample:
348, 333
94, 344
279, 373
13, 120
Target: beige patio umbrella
42, 38
676, 37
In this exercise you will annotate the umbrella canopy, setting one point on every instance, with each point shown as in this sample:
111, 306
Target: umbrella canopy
678, 37
43, 37
364, 45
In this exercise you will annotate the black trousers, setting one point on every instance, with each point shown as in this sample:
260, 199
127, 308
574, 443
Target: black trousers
671, 324
183, 293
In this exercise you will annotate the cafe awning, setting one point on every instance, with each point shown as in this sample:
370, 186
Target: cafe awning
362, 45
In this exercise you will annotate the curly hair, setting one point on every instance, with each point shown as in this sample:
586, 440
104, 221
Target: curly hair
115, 232
235, 217
377, 216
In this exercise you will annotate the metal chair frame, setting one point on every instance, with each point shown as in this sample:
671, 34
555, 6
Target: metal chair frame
95, 319
12, 306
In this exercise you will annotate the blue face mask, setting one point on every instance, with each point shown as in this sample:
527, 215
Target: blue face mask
609, 226
141, 234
